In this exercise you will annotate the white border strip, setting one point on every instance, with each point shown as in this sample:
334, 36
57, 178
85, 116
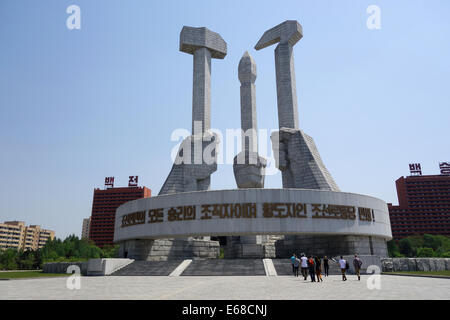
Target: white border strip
181, 267
269, 268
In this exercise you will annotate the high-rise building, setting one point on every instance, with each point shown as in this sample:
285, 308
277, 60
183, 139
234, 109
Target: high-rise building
14, 234
85, 228
424, 206
104, 205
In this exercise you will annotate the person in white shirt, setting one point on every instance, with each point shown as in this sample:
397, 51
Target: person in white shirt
304, 266
343, 266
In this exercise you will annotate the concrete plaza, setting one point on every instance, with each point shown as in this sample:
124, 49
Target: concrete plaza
227, 288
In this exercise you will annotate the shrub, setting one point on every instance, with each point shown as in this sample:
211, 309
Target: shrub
406, 247
425, 253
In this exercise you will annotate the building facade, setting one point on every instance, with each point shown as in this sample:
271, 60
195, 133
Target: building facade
424, 206
85, 228
16, 235
104, 205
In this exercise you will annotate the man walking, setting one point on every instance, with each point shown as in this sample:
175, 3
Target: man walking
312, 269
304, 266
293, 258
325, 266
343, 266
357, 263
296, 265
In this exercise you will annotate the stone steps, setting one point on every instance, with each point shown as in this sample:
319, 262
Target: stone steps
225, 267
212, 267
148, 268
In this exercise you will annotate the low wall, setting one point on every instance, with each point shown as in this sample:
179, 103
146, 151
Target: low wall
104, 267
93, 267
61, 267
415, 264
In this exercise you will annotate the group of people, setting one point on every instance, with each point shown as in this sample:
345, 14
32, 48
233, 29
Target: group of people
313, 266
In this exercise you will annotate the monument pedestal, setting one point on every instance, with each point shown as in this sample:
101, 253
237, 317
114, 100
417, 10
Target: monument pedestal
249, 247
169, 249
257, 223
331, 246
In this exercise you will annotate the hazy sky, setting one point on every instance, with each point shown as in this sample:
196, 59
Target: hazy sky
79, 105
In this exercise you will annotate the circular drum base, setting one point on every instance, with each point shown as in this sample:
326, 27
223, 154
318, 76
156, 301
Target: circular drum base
325, 222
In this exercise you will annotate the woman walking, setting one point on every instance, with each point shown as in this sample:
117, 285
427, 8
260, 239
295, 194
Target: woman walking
318, 269
311, 268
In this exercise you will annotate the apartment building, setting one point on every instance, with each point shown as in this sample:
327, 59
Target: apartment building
85, 228
16, 235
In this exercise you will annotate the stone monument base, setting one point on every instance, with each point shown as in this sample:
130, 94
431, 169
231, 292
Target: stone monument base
250, 247
330, 246
169, 249
261, 223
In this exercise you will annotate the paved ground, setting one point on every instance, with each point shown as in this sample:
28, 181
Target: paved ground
228, 288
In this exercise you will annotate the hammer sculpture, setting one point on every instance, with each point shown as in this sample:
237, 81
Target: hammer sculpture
295, 152
191, 171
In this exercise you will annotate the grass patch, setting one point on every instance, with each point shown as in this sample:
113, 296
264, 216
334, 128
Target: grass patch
30, 274
424, 273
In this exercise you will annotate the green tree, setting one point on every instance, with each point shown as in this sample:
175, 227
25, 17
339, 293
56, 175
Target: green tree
37, 263
70, 249
430, 241
425, 252
393, 249
110, 251
25, 260
406, 247
8, 259
416, 241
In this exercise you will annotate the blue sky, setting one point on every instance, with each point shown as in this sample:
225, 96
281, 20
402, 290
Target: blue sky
79, 105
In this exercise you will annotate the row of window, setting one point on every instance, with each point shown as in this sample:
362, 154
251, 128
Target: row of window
119, 194
430, 198
444, 231
419, 218
8, 236
10, 232
420, 212
102, 222
439, 182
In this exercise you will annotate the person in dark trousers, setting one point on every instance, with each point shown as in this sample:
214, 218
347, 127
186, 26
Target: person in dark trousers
296, 265
325, 266
304, 266
357, 263
312, 269
318, 269
294, 256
